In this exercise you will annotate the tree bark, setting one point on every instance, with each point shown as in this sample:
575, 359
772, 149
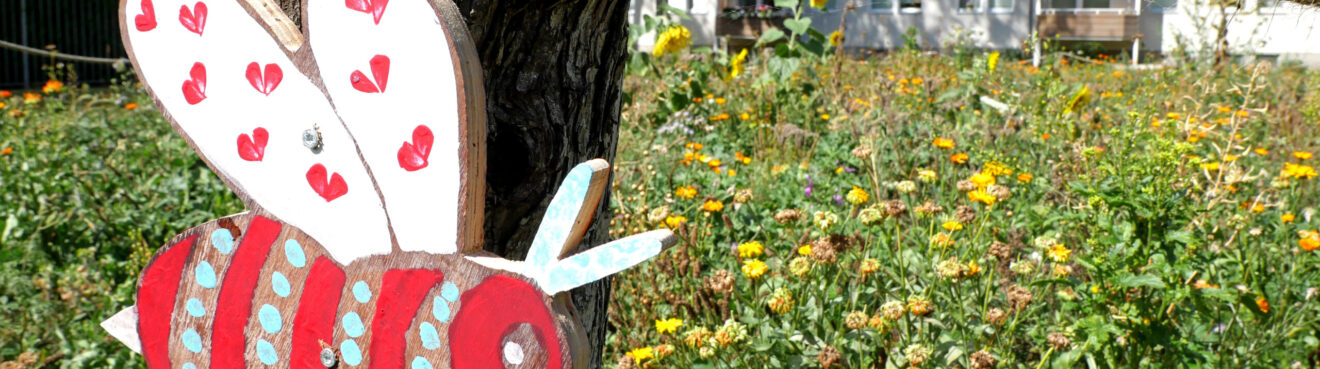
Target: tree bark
553, 79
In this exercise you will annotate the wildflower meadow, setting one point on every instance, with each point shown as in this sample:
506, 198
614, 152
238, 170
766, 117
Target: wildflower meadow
834, 208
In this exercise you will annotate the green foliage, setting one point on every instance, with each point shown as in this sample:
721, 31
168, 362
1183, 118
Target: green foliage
1136, 218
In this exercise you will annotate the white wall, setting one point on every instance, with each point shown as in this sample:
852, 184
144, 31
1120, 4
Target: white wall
1288, 31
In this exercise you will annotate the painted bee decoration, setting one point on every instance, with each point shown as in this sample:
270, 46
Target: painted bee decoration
359, 148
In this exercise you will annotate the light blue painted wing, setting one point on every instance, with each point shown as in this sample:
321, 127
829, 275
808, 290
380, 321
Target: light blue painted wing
604, 260
568, 214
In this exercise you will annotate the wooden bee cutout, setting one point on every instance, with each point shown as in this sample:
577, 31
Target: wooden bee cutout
360, 149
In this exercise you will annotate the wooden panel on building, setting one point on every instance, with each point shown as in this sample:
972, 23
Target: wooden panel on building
1097, 27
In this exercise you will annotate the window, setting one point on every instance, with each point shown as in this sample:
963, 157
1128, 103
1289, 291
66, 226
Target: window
692, 6
979, 6
882, 5
1163, 5
909, 6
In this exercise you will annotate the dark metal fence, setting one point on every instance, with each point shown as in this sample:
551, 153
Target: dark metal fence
76, 27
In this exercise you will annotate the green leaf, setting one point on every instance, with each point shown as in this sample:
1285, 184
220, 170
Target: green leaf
786, 3
798, 26
1144, 280
771, 35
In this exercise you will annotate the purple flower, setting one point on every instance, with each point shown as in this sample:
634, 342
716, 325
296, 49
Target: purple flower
838, 199
807, 191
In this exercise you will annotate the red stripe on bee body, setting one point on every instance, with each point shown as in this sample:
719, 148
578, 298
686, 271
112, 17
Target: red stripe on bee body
234, 307
315, 320
402, 292
155, 303
492, 310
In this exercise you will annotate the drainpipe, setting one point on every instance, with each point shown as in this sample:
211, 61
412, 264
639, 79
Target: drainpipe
23, 37
1035, 42
1136, 41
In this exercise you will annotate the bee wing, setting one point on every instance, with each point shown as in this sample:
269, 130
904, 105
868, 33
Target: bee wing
562, 227
569, 213
403, 77
223, 73
602, 261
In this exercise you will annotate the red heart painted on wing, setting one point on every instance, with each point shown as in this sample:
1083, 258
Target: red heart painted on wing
376, 8
414, 155
194, 20
265, 83
380, 69
194, 90
329, 190
253, 148
147, 20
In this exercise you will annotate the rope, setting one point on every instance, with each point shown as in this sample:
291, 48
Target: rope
85, 59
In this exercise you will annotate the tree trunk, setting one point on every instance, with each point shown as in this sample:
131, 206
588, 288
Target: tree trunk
553, 79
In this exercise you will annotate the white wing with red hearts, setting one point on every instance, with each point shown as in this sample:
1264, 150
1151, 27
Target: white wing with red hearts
360, 141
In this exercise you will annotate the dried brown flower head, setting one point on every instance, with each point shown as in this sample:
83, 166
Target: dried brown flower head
1058, 340
1000, 250
983, 360
788, 216
895, 208
862, 152
996, 316
829, 356
965, 185
720, 282
965, 214
1019, 297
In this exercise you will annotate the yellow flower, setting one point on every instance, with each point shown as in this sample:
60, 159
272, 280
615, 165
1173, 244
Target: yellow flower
674, 221
672, 40
750, 249
1059, 253
1078, 100
1287, 218
1301, 155
52, 86
982, 180
952, 225
668, 325
2, 105
1214, 166
640, 354
686, 192
736, 66
943, 143
31, 98
959, 158
1257, 208
744, 116
857, 196
742, 158
825, 117
1025, 177
926, 175
712, 206
1261, 151
991, 61
804, 250
754, 268
819, 4
694, 146
1298, 171
836, 38
996, 169
973, 268
982, 197
720, 101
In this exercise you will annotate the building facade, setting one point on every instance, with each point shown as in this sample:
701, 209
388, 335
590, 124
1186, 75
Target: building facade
1269, 29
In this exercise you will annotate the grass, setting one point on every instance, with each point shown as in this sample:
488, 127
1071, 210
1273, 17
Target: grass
895, 210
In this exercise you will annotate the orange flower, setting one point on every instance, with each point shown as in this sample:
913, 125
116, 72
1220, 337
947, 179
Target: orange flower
52, 86
959, 158
31, 98
742, 158
943, 143
1262, 304
130, 106
1261, 151
712, 206
1287, 218
5, 94
8, 150
1310, 240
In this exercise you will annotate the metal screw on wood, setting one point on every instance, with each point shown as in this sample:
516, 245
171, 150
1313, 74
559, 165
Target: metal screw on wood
328, 357
312, 139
